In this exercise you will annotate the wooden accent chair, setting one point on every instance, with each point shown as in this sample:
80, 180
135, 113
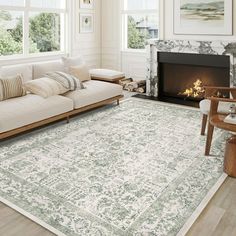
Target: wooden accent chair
218, 111
206, 103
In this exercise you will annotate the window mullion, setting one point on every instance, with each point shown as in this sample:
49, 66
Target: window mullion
26, 44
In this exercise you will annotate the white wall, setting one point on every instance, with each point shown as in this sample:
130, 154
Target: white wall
134, 64
110, 20
87, 44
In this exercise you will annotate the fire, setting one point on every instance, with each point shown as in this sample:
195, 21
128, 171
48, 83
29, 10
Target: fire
196, 91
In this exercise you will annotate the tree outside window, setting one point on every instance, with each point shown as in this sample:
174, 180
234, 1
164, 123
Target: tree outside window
45, 31
140, 22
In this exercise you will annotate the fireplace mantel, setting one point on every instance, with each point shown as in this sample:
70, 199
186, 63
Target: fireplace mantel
185, 46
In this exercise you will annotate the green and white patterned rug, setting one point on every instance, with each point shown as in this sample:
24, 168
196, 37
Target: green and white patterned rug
134, 169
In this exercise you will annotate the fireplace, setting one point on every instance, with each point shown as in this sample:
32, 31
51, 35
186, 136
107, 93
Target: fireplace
207, 58
182, 76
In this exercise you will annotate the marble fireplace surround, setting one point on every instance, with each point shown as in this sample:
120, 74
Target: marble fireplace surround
186, 46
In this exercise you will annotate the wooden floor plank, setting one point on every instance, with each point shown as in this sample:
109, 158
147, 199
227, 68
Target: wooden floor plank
225, 201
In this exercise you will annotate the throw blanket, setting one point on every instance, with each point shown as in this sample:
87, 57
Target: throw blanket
66, 80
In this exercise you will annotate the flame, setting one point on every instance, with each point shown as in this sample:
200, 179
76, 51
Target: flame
196, 91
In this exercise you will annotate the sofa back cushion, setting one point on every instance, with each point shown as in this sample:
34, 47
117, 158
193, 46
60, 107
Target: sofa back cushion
40, 69
24, 69
72, 61
11, 87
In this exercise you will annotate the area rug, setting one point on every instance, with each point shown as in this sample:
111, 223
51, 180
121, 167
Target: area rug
134, 169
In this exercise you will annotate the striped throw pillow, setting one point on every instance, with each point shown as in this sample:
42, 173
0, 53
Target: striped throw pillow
68, 81
45, 87
11, 87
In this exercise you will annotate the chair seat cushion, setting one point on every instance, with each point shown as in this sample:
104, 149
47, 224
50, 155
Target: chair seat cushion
18, 112
106, 74
95, 91
205, 106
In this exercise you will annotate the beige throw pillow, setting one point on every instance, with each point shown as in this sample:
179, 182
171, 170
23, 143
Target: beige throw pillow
11, 87
81, 72
45, 87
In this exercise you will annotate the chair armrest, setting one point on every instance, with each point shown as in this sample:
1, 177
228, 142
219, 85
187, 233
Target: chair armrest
216, 99
211, 90
220, 88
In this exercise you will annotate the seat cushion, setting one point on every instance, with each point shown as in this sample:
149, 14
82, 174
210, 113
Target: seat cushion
106, 74
18, 112
205, 106
95, 91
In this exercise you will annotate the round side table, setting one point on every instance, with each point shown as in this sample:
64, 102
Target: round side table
230, 150
230, 157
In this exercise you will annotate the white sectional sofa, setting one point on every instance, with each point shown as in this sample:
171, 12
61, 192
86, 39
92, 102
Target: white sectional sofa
20, 114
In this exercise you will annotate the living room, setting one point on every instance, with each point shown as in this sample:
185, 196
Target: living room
117, 117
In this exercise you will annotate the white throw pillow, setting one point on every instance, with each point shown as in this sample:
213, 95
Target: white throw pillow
80, 72
45, 87
71, 61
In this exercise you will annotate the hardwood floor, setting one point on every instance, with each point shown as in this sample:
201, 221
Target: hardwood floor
218, 219
14, 224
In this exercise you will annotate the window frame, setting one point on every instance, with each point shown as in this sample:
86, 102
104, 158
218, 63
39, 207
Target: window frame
26, 10
124, 31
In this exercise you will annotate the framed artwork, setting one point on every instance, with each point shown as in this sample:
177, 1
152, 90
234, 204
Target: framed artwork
86, 4
86, 23
210, 17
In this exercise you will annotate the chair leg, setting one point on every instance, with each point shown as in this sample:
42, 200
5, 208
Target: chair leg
209, 138
118, 102
204, 123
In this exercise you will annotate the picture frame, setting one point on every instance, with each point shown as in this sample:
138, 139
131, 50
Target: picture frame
86, 23
86, 4
214, 17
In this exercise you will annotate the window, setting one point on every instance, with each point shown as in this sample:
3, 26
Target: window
32, 26
140, 22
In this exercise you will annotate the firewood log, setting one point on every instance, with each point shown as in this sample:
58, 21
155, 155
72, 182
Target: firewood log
141, 89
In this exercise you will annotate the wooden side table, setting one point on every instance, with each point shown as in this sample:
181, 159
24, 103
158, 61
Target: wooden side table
230, 150
230, 157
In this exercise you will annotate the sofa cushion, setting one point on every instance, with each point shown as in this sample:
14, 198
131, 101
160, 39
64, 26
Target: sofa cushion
11, 87
81, 72
109, 75
25, 70
45, 87
206, 104
40, 69
72, 61
95, 91
68, 81
18, 112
